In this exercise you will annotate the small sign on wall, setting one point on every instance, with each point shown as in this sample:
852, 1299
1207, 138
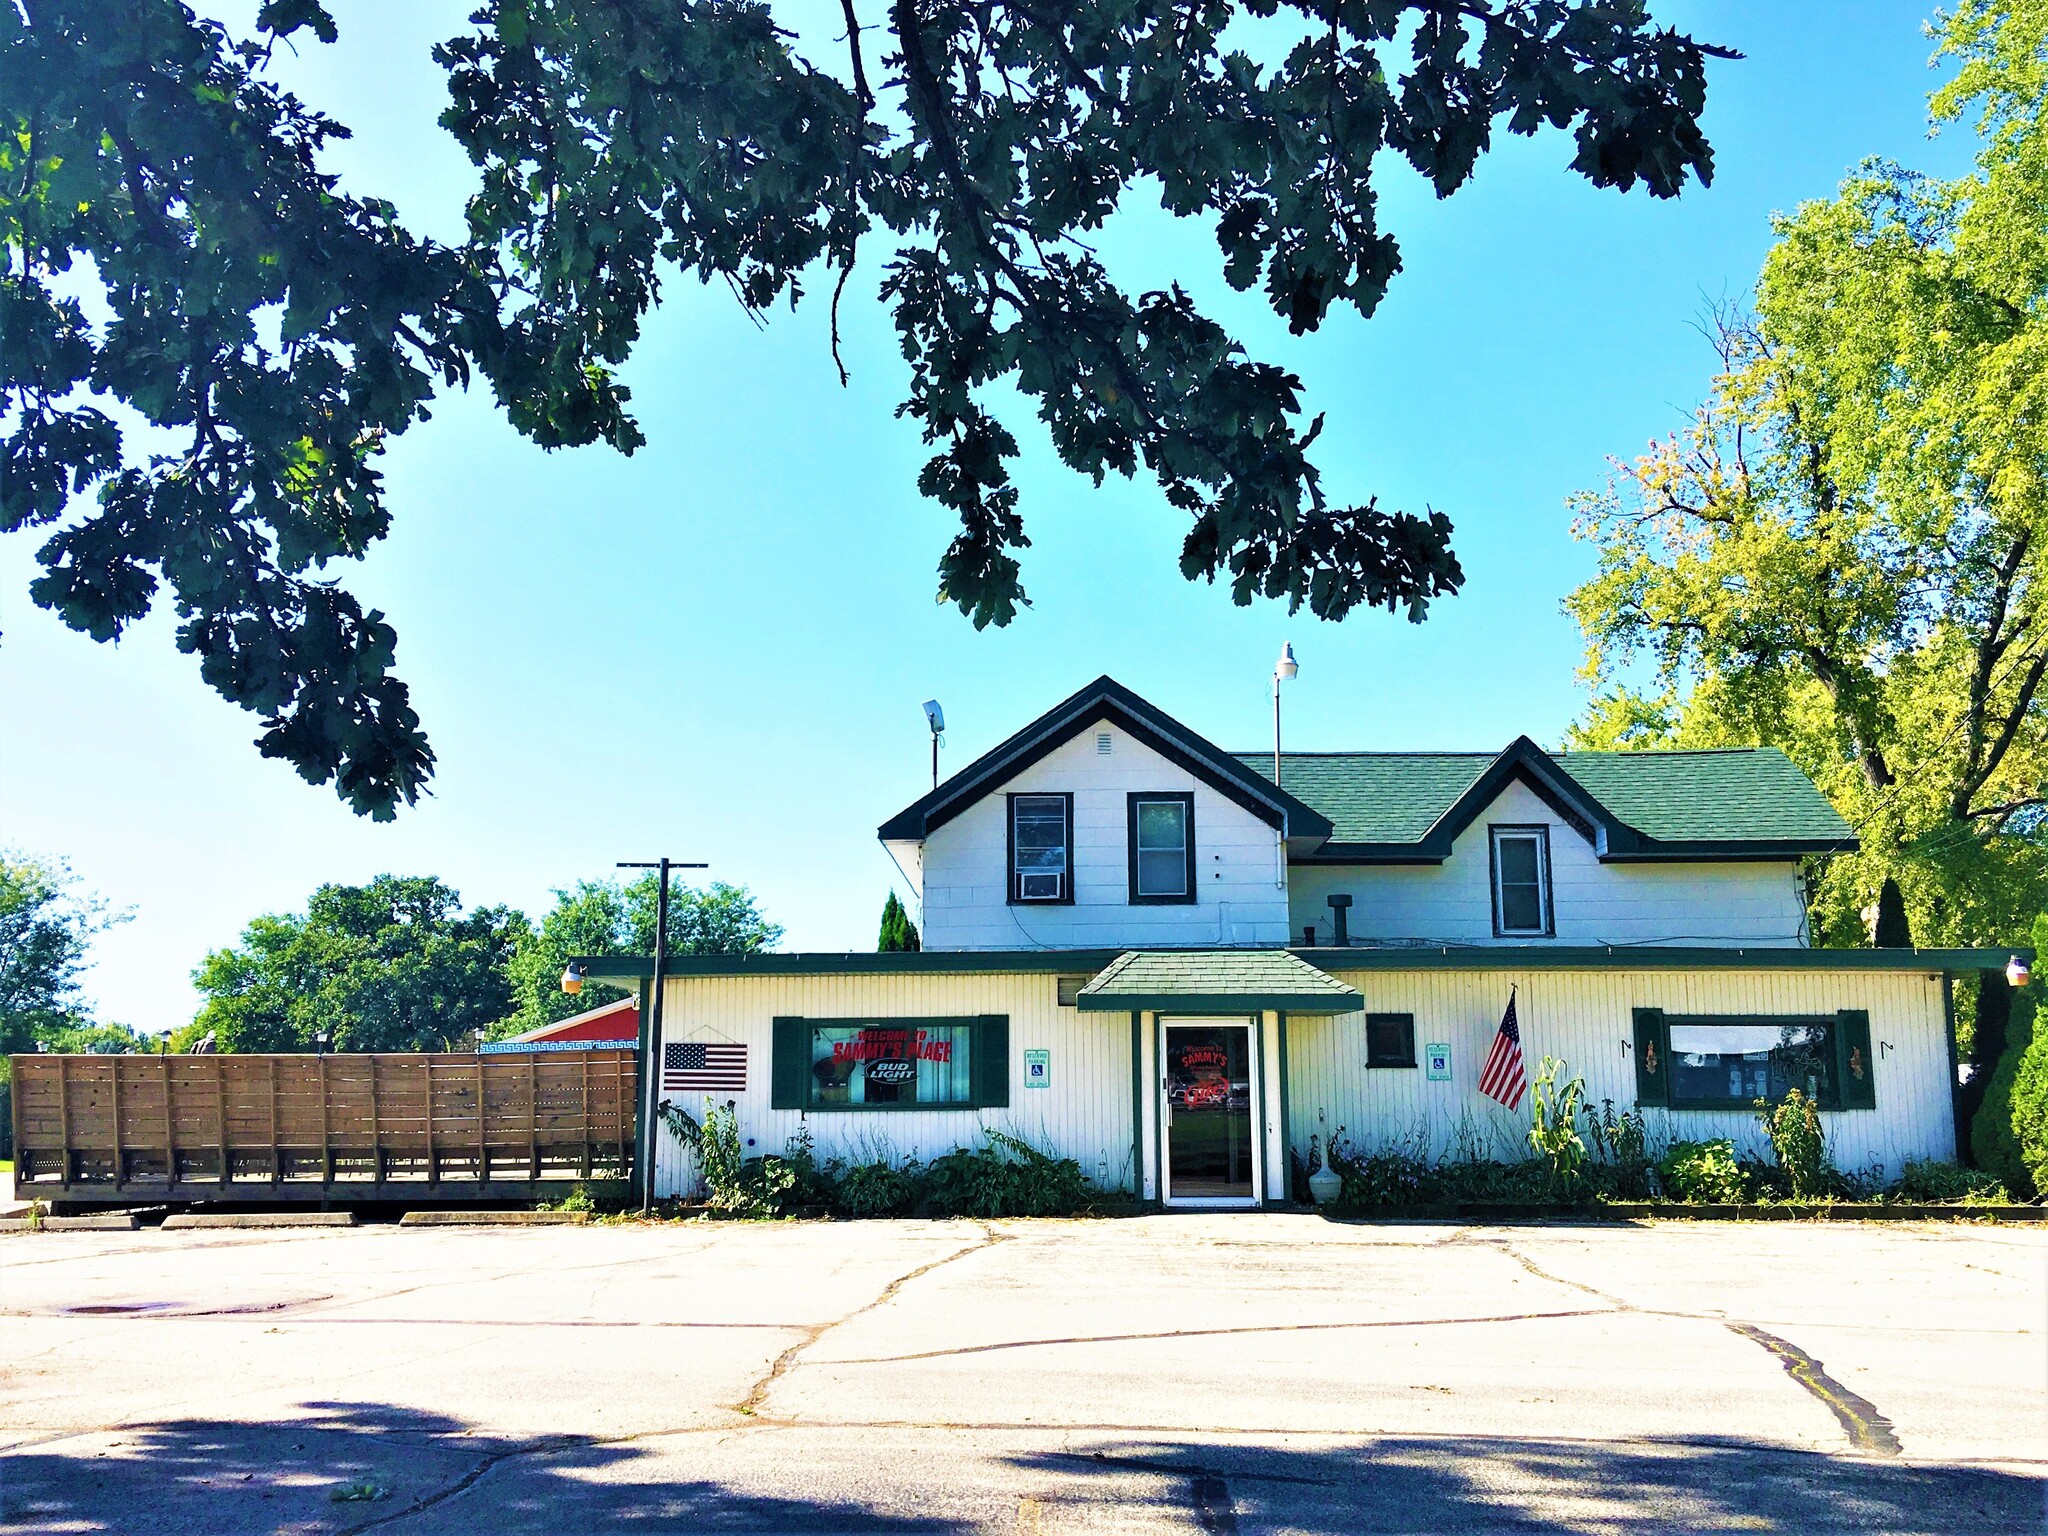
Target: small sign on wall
1437, 1059
1037, 1069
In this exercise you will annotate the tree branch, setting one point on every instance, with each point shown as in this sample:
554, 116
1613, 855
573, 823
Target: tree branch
860, 77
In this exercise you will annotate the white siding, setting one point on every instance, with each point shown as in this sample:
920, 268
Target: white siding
1242, 896
1586, 1018
1594, 903
1084, 1114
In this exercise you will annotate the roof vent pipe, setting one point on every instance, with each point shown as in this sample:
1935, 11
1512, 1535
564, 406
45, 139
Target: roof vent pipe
1340, 907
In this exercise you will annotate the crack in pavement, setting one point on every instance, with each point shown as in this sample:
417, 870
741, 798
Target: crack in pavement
1217, 1333
1867, 1428
750, 1405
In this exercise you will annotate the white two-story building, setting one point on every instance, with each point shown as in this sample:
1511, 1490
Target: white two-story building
1143, 952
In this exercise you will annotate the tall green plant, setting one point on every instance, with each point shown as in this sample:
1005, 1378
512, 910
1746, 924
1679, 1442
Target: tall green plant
1800, 1144
1554, 1102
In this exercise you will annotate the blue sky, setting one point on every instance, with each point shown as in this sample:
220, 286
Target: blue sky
716, 649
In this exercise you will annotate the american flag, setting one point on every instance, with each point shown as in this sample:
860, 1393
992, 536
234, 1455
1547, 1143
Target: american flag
1503, 1077
704, 1067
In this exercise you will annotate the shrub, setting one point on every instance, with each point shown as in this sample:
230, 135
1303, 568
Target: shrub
2012, 1118
878, 1189
736, 1185
1006, 1177
1554, 1127
1800, 1145
1622, 1146
1937, 1183
1701, 1173
1378, 1180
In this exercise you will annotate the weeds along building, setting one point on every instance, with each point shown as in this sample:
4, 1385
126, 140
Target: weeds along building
1163, 960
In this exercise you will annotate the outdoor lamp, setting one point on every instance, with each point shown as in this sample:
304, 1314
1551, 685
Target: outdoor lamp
1283, 669
572, 978
2017, 972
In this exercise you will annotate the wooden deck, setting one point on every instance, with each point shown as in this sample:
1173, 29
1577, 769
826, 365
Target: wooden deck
407, 1127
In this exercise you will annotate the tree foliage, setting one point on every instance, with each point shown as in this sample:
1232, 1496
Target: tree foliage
395, 965
177, 258
1843, 554
46, 927
898, 932
604, 917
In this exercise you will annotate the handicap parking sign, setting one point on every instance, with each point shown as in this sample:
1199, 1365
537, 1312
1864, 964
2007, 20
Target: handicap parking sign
1037, 1069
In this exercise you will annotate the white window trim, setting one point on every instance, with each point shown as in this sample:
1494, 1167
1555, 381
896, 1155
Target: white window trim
1540, 835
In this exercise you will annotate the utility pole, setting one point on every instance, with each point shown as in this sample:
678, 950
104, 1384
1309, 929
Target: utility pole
650, 1035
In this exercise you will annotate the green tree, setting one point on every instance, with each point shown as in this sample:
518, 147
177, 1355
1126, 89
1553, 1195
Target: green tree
604, 917
898, 933
395, 965
1842, 555
46, 928
273, 331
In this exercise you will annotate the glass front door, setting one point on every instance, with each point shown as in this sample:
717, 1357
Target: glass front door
1211, 1114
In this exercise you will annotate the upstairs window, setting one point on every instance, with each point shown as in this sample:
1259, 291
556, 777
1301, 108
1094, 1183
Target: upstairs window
1521, 882
1041, 848
1162, 848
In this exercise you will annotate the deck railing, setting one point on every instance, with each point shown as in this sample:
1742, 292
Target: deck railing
289, 1127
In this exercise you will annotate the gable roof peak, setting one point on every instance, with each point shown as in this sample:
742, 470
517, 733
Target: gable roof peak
1105, 697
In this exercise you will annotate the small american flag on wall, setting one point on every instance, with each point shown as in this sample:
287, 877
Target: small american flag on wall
700, 1066
1503, 1077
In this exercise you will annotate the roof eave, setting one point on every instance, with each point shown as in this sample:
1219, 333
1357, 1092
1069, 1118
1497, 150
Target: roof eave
1732, 850
1221, 1002
1653, 957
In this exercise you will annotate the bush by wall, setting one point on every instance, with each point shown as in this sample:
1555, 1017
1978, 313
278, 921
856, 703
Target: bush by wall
1794, 1130
1005, 1176
1701, 1173
1934, 1183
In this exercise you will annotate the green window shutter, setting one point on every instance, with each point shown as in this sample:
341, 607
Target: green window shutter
1855, 1070
1653, 1047
791, 1063
992, 1061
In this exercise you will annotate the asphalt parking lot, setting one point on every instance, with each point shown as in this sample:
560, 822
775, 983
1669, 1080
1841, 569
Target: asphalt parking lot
1218, 1373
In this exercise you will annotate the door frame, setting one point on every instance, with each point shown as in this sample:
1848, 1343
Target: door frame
1254, 1025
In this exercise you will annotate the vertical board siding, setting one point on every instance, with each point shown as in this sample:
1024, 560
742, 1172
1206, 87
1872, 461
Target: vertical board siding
1586, 1019
1240, 878
161, 1121
1084, 1114
1592, 903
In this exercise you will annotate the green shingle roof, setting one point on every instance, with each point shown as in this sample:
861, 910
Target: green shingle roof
1233, 980
1733, 796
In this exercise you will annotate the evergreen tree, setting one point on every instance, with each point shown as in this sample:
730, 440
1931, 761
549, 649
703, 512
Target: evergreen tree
899, 933
1893, 932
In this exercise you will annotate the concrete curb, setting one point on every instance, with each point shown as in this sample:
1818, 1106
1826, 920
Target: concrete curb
494, 1218
261, 1219
122, 1223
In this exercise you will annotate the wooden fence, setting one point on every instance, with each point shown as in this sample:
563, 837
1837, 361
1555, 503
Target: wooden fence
373, 1127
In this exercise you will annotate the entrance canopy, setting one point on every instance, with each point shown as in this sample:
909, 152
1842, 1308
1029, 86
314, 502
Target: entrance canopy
1233, 981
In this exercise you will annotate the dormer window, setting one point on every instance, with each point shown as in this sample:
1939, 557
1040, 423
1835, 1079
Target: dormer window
1162, 849
1041, 849
1521, 882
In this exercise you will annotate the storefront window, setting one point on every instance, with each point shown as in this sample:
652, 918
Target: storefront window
927, 1065
1738, 1063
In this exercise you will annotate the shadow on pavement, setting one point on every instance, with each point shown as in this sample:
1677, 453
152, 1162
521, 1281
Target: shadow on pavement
1482, 1484
423, 1472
